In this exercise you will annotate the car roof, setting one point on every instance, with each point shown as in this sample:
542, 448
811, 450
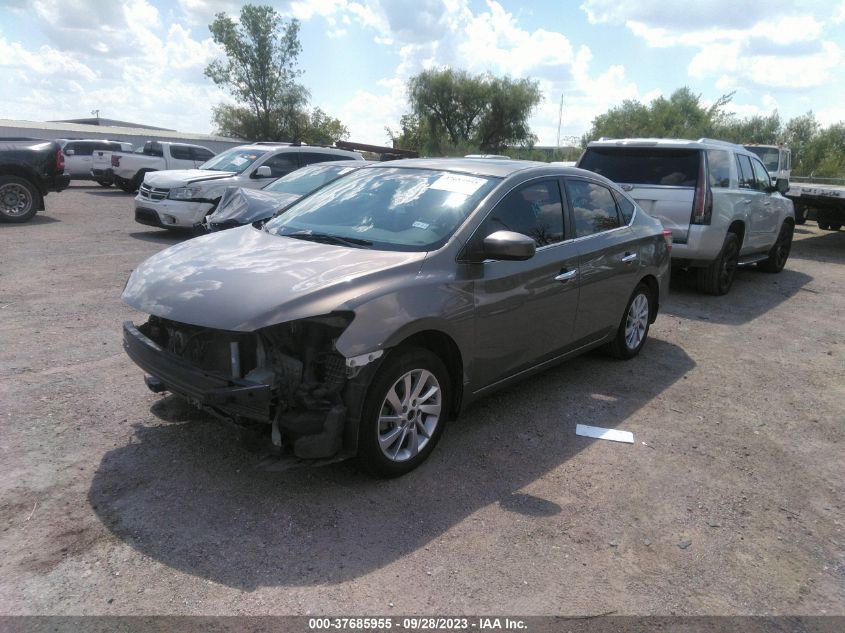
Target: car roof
669, 143
476, 166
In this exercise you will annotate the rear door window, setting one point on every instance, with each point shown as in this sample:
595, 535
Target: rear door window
309, 158
626, 208
282, 164
200, 154
719, 164
181, 152
644, 165
83, 148
593, 207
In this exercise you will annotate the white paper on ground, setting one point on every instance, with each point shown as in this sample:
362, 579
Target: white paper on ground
604, 434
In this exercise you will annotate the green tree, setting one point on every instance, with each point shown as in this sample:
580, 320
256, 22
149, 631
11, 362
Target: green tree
259, 70
453, 111
318, 128
682, 115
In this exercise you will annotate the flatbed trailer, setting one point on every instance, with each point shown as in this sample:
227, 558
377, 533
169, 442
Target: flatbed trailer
822, 199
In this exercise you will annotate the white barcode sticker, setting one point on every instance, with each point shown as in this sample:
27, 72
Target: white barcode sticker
453, 183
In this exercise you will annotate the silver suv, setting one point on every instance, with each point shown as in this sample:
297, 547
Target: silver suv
716, 198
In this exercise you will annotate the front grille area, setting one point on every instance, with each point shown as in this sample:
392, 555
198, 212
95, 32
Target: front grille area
147, 216
151, 193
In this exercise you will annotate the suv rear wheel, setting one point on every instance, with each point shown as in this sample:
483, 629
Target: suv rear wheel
718, 277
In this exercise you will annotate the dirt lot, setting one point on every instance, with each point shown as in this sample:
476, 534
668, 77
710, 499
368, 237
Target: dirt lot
114, 500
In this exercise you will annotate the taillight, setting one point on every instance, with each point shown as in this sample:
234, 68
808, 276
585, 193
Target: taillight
60, 160
115, 161
667, 235
702, 204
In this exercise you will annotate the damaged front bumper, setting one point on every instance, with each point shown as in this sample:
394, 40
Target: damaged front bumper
232, 395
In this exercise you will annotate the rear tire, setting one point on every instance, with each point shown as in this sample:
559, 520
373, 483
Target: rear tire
718, 277
779, 252
824, 225
405, 410
18, 199
835, 227
633, 328
800, 214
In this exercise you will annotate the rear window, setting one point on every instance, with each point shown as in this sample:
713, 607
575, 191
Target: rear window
644, 165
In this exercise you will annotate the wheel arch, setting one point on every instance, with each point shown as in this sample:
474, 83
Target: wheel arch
737, 227
446, 349
31, 176
654, 287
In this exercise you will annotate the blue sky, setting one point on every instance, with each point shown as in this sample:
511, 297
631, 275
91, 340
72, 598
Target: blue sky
143, 60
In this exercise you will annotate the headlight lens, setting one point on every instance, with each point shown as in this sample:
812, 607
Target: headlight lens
184, 193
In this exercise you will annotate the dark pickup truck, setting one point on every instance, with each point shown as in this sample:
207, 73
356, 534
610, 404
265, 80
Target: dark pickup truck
29, 169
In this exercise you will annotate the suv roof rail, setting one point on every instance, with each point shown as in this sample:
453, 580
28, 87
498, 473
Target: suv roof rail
273, 143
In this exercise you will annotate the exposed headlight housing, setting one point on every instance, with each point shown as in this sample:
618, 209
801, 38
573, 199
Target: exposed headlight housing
184, 193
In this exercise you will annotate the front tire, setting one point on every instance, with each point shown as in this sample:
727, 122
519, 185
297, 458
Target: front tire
17, 199
405, 410
779, 252
718, 277
633, 329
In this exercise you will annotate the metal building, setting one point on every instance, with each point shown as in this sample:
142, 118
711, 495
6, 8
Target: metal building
136, 135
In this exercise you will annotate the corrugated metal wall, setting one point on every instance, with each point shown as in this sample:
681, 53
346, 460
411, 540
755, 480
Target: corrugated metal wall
136, 136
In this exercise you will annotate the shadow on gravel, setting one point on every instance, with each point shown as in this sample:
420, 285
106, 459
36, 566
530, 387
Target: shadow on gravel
823, 246
187, 494
162, 236
753, 294
111, 193
37, 219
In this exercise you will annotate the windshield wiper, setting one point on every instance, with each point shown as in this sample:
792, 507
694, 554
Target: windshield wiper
325, 238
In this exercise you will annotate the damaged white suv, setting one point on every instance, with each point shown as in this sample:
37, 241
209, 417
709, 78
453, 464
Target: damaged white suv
181, 198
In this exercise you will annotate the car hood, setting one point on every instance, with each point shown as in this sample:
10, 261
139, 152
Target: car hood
245, 206
245, 279
169, 178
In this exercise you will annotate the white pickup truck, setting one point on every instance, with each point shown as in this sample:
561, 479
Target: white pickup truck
129, 169
182, 198
821, 199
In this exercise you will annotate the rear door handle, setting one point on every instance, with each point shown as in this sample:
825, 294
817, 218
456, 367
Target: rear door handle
629, 257
567, 275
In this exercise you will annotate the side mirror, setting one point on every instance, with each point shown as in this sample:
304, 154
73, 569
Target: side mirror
262, 172
508, 245
69, 152
782, 185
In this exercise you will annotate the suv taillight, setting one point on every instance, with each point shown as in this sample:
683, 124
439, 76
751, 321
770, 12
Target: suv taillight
60, 161
115, 161
702, 204
667, 235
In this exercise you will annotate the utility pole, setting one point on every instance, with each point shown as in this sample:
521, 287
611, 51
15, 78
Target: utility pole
559, 120
96, 113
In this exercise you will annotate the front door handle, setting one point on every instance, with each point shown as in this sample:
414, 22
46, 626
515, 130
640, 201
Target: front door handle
567, 275
629, 257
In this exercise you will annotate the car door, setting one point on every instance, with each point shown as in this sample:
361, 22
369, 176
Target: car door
607, 258
525, 310
181, 157
765, 211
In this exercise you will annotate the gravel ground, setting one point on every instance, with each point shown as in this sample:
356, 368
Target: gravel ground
114, 500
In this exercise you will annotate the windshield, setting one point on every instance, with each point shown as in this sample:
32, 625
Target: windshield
769, 156
307, 179
387, 208
236, 160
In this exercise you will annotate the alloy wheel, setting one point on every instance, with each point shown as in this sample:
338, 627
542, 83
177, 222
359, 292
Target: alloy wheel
409, 415
636, 321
